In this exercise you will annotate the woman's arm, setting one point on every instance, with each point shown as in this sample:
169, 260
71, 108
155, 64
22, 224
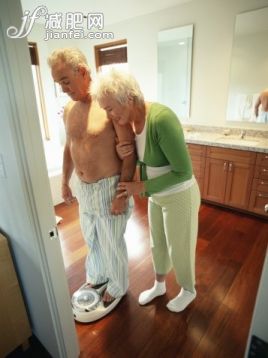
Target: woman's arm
170, 138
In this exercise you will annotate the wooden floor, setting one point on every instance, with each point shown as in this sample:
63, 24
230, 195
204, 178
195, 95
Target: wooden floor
230, 254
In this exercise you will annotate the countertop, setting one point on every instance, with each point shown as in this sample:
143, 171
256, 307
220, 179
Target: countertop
255, 141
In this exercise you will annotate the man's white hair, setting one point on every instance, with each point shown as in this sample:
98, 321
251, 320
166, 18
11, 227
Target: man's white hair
71, 56
117, 84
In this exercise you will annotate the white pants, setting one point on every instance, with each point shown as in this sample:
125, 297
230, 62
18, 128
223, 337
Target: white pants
263, 117
173, 221
107, 259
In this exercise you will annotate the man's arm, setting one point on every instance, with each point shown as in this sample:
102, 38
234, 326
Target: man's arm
124, 133
256, 107
67, 168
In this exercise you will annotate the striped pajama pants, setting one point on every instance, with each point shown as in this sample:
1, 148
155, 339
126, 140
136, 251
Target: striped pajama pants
107, 259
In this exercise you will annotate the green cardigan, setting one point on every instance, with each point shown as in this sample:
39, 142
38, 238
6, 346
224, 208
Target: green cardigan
165, 145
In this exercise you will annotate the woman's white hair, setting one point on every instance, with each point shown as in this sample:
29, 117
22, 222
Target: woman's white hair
71, 56
116, 84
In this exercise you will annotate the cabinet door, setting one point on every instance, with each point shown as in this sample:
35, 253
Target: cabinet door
197, 153
215, 180
240, 176
198, 170
257, 202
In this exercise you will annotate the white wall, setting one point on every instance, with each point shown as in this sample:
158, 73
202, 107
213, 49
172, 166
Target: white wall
214, 22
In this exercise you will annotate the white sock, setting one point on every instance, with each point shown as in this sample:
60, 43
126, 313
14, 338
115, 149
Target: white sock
180, 302
147, 296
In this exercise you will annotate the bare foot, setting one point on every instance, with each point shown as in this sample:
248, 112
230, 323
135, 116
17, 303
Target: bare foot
88, 285
107, 297
95, 286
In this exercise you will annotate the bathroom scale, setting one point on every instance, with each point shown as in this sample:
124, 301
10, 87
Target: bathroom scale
87, 304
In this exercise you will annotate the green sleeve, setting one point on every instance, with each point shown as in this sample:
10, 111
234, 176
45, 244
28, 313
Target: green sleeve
171, 141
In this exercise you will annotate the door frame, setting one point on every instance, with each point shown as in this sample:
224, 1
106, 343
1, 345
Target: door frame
56, 330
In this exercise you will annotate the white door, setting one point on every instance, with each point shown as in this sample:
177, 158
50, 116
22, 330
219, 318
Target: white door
26, 210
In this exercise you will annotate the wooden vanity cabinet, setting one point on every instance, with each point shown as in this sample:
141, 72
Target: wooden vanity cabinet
198, 153
231, 177
259, 193
228, 176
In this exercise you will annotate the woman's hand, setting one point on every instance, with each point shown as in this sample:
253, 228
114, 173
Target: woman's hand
124, 149
127, 189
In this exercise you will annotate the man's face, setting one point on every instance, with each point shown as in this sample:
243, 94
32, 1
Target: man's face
73, 82
116, 111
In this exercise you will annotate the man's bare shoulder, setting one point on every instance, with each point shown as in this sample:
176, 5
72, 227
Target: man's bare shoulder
67, 109
69, 106
97, 114
264, 93
97, 109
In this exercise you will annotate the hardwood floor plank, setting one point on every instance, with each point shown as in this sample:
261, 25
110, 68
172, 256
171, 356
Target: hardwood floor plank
230, 253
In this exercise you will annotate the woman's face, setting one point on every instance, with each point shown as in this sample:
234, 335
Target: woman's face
116, 111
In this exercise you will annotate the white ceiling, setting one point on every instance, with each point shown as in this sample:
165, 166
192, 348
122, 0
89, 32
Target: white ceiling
114, 11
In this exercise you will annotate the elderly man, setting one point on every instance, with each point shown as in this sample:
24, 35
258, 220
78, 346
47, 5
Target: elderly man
90, 151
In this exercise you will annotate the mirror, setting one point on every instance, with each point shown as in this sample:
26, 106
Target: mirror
249, 67
174, 59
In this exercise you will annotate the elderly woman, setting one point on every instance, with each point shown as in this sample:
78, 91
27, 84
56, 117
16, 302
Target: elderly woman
166, 178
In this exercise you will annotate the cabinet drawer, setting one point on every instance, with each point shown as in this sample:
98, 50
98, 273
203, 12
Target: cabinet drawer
262, 159
261, 172
257, 202
197, 150
232, 155
260, 185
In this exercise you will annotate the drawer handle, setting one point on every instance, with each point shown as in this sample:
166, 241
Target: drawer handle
230, 166
265, 170
266, 156
262, 195
225, 166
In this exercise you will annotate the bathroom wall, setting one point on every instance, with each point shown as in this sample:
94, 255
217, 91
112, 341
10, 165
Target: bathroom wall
214, 22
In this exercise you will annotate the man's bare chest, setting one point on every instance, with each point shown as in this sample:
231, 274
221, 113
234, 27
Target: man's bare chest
93, 127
